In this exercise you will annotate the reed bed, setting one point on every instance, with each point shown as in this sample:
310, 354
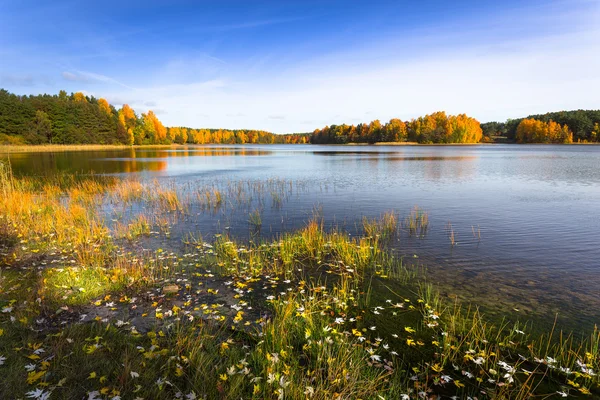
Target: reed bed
384, 227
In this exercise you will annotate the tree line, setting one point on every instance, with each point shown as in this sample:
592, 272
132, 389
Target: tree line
583, 125
79, 119
433, 128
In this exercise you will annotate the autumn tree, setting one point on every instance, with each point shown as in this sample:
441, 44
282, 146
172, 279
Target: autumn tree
104, 106
395, 131
531, 130
79, 97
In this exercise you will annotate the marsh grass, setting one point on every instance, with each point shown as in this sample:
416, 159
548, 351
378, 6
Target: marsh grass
138, 226
451, 235
417, 222
384, 227
339, 317
6, 178
255, 219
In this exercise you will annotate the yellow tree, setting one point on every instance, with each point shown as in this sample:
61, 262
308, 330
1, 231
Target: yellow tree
531, 130
395, 131
79, 97
129, 115
184, 135
172, 133
595, 135
155, 127
104, 106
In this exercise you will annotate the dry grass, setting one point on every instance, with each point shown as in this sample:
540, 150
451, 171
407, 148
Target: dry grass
72, 147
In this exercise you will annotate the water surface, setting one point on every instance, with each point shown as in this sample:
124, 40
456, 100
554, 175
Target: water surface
526, 219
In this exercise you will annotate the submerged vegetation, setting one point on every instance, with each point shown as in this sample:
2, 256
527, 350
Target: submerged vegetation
89, 308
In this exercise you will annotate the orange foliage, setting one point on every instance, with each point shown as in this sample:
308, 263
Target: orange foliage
79, 97
534, 131
104, 106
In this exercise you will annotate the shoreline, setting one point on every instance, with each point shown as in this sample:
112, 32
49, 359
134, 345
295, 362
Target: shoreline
12, 149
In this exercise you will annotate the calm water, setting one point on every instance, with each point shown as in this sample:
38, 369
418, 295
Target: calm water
537, 208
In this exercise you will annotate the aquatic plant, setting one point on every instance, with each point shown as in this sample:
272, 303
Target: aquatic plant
255, 219
417, 222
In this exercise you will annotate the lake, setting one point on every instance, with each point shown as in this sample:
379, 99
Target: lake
525, 220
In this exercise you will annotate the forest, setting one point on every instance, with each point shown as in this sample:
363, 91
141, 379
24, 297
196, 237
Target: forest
583, 124
433, 128
81, 119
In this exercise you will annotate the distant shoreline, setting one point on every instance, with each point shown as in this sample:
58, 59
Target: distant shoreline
11, 149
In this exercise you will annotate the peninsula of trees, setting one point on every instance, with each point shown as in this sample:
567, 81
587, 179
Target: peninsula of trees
579, 126
433, 128
81, 119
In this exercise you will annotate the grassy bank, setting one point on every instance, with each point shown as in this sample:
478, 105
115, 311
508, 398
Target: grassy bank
72, 147
88, 312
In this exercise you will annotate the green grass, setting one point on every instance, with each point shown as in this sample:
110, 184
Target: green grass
314, 314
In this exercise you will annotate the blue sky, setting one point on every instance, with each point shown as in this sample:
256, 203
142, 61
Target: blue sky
292, 66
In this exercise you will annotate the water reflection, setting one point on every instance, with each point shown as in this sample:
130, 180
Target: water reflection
536, 206
124, 161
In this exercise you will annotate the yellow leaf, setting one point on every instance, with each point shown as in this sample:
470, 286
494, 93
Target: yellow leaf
33, 376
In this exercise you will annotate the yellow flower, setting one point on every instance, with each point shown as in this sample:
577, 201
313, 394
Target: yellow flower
224, 346
409, 329
92, 375
436, 367
223, 377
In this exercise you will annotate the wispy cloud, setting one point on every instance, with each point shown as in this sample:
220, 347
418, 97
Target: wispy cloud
245, 25
91, 78
17, 80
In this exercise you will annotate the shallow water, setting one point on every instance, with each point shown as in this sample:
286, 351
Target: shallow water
526, 219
